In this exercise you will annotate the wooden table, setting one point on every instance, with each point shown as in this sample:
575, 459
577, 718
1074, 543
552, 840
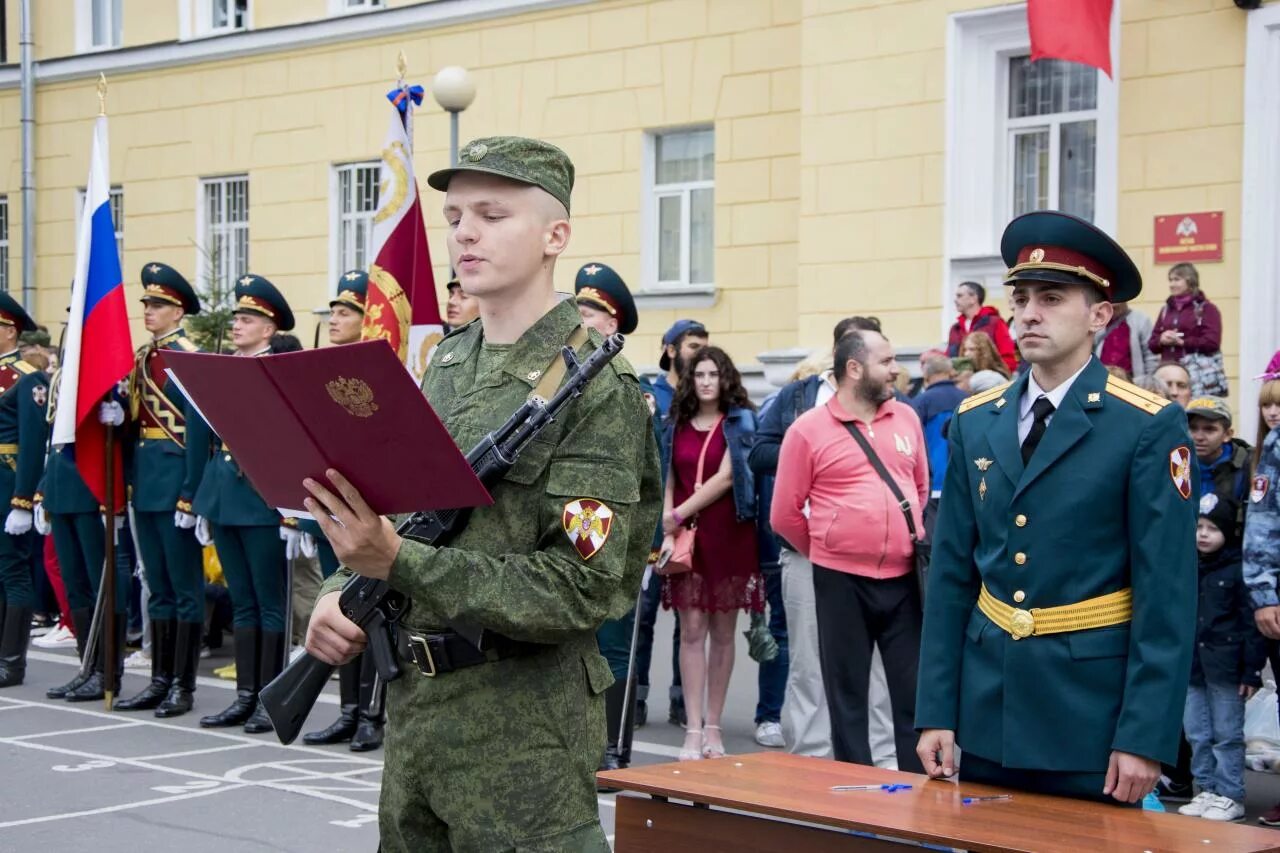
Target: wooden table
779, 802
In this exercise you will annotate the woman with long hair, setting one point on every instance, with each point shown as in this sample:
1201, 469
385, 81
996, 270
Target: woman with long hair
712, 420
1268, 412
979, 348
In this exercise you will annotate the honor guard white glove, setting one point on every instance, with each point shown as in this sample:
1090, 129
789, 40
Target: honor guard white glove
111, 413
204, 533
308, 546
292, 541
183, 520
18, 522
41, 519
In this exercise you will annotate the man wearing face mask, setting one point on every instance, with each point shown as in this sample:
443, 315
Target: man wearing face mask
1061, 607
247, 532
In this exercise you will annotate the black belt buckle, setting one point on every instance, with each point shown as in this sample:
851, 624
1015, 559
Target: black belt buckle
421, 651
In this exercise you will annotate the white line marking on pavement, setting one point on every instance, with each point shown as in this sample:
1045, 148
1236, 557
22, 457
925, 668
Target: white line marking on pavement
120, 807
78, 731
656, 749
187, 752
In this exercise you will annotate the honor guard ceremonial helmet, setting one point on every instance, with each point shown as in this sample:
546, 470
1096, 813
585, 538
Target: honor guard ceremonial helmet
1055, 247
256, 295
353, 286
163, 284
13, 314
599, 287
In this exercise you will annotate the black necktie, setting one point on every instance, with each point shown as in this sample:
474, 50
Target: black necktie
1042, 408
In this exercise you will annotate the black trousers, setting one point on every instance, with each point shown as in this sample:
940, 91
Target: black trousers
855, 615
1079, 786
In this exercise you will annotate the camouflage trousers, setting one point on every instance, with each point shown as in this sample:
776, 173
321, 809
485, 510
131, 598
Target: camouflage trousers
497, 757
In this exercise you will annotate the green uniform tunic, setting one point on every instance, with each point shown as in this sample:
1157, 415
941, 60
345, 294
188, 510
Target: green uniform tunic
24, 393
502, 756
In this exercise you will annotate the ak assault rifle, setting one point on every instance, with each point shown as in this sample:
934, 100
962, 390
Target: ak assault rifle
373, 604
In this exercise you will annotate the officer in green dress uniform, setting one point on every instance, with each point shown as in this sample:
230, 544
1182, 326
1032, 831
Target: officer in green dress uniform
605, 304
246, 531
1061, 604
172, 444
361, 714
24, 392
66, 509
497, 749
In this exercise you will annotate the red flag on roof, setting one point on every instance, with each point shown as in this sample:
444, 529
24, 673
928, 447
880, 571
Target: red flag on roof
1074, 30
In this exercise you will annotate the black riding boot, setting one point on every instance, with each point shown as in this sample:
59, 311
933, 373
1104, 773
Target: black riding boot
344, 727
270, 664
81, 620
248, 643
14, 636
163, 639
95, 686
186, 659
372, 713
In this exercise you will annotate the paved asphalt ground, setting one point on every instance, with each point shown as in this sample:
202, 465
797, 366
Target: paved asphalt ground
74, 777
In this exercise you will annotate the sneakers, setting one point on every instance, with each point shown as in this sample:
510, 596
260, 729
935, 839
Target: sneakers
60, 637
1271, 817
1197, 807
1224, 809
138, 660
770, 734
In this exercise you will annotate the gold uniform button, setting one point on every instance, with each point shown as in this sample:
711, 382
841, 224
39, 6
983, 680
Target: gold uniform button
1020, 520
1020, 558
1019, 596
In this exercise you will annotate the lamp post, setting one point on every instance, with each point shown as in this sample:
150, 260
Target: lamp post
454, 91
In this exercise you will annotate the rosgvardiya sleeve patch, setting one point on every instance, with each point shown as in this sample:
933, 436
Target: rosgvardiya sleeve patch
587, 523
1261, 485
1180, 470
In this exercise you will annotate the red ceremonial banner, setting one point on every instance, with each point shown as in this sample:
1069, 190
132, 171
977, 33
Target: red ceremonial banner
1188, 237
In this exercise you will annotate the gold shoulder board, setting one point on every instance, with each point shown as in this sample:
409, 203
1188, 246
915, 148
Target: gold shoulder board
23, 367
188, 345
984, 397
1135, 396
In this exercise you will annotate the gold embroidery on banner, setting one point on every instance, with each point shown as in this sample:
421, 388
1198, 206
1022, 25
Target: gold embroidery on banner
354, 395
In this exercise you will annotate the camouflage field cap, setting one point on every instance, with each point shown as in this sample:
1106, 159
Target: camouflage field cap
529, 161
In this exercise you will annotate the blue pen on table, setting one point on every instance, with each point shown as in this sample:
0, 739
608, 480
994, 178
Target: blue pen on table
888, 788
967, 800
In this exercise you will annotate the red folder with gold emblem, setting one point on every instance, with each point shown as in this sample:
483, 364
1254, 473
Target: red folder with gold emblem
353, 408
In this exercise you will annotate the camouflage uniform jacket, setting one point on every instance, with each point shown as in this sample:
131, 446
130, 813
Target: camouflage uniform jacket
1262, 527
516, 569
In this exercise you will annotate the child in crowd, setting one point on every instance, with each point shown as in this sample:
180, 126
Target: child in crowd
1226, 668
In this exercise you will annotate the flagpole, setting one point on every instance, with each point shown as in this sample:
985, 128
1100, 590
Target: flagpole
109, 650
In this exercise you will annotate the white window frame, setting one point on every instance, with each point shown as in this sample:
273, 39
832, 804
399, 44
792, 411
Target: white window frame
84, 25
338, 260
652, 192
203, 232
979, 192
195, 20
341, 7
4, 243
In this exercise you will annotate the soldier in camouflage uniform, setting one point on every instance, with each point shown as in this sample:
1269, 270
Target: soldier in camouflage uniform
495, 750
1262, 538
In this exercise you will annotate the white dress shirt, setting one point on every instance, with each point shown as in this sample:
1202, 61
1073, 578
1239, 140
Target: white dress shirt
1035, 392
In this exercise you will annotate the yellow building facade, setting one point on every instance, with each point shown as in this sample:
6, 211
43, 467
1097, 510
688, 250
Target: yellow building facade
767, 166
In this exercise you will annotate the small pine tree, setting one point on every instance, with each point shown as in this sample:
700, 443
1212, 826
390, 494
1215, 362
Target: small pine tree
210, 329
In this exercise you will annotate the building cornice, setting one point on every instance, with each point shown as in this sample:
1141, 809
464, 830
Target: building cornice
334, 30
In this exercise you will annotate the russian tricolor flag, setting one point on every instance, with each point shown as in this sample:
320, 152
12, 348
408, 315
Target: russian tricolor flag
97, 352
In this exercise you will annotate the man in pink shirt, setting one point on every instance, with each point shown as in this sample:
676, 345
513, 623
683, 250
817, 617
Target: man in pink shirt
830, 505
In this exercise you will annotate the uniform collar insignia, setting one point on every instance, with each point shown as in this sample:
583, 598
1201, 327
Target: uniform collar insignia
983, 463
169, 337
1000, 403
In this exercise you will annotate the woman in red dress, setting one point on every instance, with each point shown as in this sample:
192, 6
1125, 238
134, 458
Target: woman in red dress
711, 409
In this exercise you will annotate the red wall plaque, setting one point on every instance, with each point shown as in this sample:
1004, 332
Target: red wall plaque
1188, 237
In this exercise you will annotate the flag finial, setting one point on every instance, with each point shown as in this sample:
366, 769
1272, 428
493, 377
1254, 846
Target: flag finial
402, 65
102, 94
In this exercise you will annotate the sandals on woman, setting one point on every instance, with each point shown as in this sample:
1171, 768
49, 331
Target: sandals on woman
695, 753
710, 750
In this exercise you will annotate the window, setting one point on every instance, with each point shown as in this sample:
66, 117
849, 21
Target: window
227, 15
116, 200
681, 221
225, 231
4, 243
1052, 127
338, 7
104, 22
355, 204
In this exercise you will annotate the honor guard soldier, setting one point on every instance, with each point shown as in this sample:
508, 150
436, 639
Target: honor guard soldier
605, 304
361, 714
24, 392
496, 750
246, 531
171, 447
1061, 604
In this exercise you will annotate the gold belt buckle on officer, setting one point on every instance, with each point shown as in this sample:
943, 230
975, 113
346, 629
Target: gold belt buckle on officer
1114, 608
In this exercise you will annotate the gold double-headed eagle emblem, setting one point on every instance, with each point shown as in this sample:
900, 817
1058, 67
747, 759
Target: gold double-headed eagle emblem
354, 395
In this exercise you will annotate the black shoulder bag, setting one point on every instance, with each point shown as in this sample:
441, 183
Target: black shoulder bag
919, 546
